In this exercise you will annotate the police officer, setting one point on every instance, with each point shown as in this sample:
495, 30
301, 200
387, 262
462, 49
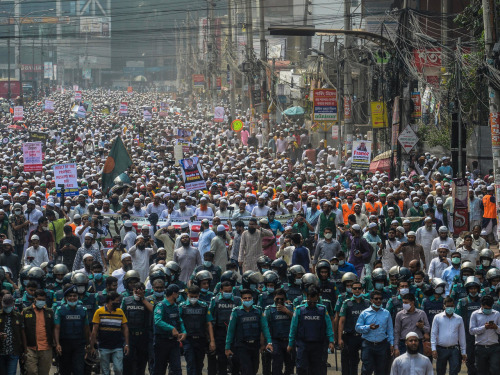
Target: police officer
486, 257
220, 308
434, 304
349, 340
208, 265
202, 279
197, 320
88, 300
156, 297
280, 267
71, 333
246, 325
158, 271
465, 307
37, 275
129, 280
395, 303
493, 278
347, 280
59, 271
458, 290
327, 287
379, 280
312, 334
293, 287
229, 275
169, 332
137, 310
23, 281
250, 280
264, 264
111, 286
175, 272
279, 318
28, 296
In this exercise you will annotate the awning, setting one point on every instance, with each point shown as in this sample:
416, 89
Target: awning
381, 162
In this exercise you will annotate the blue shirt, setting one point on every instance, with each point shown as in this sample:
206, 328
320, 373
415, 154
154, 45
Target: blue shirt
204, 241
348, 267
275, 225
301, 256
382, 317
448, 275
446, 169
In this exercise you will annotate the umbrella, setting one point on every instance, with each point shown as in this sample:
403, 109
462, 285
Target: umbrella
293, 111
381, 162
140, 79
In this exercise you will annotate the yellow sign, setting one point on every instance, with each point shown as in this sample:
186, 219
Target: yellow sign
237, 125
379, 115
323, 125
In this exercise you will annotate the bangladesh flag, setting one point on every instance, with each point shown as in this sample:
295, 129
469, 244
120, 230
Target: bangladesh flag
118, 161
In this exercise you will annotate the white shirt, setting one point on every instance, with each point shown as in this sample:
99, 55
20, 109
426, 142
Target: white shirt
438, 241
40, 255
448, 331
129, 239
412, 364
437, 267
140, 260
258, 211
119, 274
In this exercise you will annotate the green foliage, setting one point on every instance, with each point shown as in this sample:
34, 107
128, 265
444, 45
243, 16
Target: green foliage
471, 19
434, 136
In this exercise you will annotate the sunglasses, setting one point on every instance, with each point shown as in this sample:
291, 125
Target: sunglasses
377, 299
279, 299
357, 288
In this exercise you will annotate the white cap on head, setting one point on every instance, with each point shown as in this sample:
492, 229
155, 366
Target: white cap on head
125, 255
411, 334
35, 238
221, 228
87, 256
89, 235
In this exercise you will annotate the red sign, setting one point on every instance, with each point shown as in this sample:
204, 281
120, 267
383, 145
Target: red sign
218, 83
198, 80
495, 129
425, 58
347, 107
130, 89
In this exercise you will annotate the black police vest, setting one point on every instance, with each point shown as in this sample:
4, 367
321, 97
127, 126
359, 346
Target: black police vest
292, 292
59, 295
136, 313
328, 291
170, 315
222, 310
279, 325
195, 318
312, 325
352, 312
248, 327
432, 308
266, 299
89, 302
469, 308
397, 306
72, 322
206, 297
460, 292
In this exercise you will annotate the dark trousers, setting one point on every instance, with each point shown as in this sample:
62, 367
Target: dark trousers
247, 358
19, 250
445, 356
194, 353
488, 360
349, 357
72, 359
266, 362
280, 356
217, 361
8, 364
151, 355
402, 347
311, 357
135, 362
167, 352
471, 353
374, 357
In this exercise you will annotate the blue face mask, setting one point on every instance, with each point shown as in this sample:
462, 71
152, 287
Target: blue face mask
98, 276
348, 290
253, 287
248, 303
159, 294
8, 310
40, 304
264, 270
50, 275
449, 310
72, 304
226, 295
416, 204
376, 306
207, 263
270, 289
487, 311
204, 290
379, 286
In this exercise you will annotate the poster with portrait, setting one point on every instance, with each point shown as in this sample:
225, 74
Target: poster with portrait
192, 174
361, 155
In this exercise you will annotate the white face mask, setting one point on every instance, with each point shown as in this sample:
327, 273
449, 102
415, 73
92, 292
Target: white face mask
404, 291
328, 235
335, 267
406, 306
486, 262
193, 301
80, 289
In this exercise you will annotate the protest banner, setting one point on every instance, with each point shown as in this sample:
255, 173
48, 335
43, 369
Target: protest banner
361, 155
32, 156
65, 174
123, 108
78, 96
18, 113
49, 106
192, 174
219, 114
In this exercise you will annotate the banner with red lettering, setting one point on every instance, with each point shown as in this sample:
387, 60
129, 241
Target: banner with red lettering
461, 205
361, 155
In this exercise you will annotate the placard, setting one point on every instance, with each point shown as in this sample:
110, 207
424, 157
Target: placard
32, 156
18, 113
49, 106
219, 114
361, 155
325, 105
65, 174
192, 174
78, 96
123, 108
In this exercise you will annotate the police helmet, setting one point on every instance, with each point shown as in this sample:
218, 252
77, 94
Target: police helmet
467, 266
131, 276
264, 262
486, 254
43, 265
79, 278
280, 267
437, 282
36, 274
67, 278
309, 279
60, 269
472, 281
492, 273
294, 271
2, 274
272, 277
404, 274
230, 276
323, 264
394, 271
201, 276
157, 273
23, 274
379, 274
349, 276
7, 270
175, 269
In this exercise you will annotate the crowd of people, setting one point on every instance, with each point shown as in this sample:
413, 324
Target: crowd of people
287, 256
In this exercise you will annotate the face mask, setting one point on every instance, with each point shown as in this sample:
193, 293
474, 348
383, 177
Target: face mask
72, 304
403, 291
406, 306
335, 267
80, 289
379, 286
486, 262
159, 294
270, 290
8, 310
193, 301
248, 303
25, 282
207, 263
328, 235
253, 287
348, 290
226, 295
449, 310
473, 294
298, 282
416, 204
264, 270
439, 290
45, 228
39, 304
17, 212
341, 262
487, 311
456, 260
98, 276
136, 297
59, 281
419, 284
375, 306
115, 305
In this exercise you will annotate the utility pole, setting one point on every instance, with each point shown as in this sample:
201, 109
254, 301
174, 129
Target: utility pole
305, 40
8, 60
263, 72
348, 128
249, 50
232, 97
403, 79
212, 53
490, 38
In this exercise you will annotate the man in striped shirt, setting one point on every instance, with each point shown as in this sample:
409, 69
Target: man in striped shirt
110, 329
